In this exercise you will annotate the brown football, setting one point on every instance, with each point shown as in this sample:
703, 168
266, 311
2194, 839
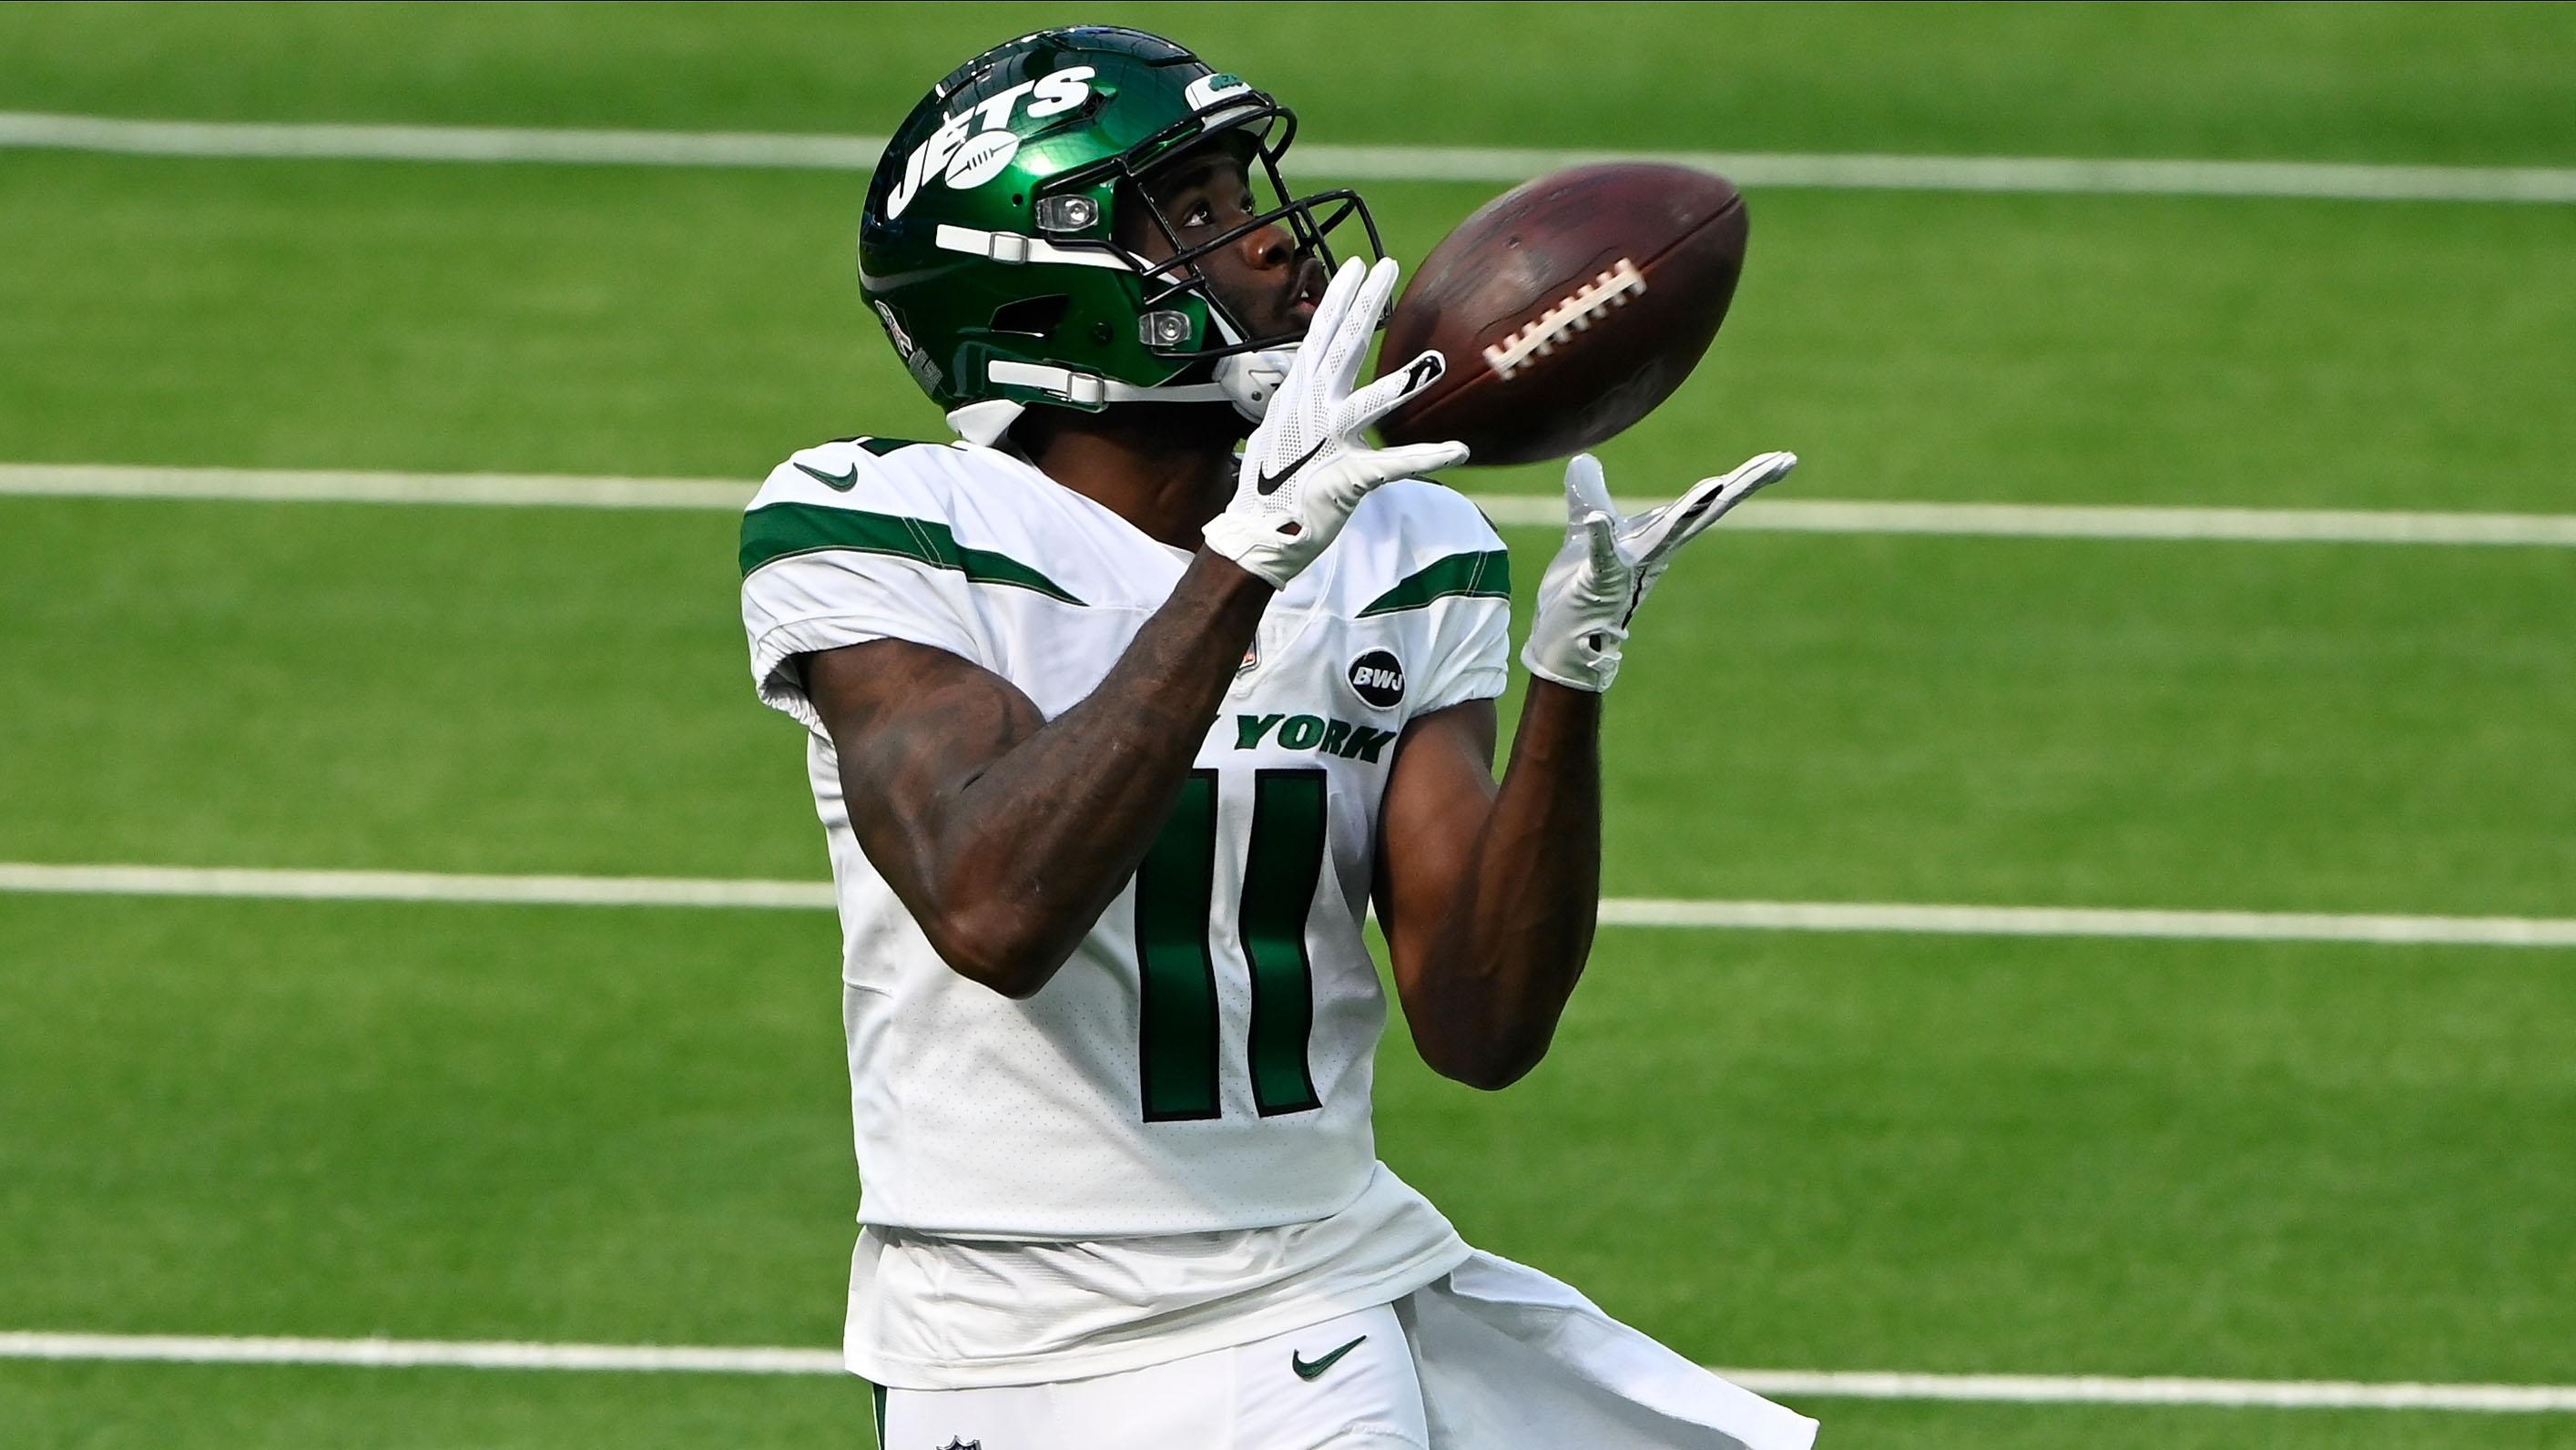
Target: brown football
1567, 307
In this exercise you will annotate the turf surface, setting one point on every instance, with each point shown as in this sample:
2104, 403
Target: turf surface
2066, 349
2135, 724
152, 1407
147, 1407
1863, 1152
2047, 1157
2290, 82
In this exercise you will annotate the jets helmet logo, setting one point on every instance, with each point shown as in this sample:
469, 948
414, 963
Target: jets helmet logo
966, 149
982, 159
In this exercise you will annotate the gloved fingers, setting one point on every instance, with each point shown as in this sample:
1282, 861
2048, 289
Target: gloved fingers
1330, 309
1410, 460
1353, 329
1761, 471
1658, 532
1587, 491
1601, 542
1390, 392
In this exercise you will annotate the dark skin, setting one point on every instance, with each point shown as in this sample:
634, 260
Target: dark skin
1007, 835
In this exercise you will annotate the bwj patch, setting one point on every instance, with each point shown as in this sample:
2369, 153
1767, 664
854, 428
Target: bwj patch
1378, 679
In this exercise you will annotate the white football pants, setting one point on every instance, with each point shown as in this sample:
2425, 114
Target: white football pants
1495, 1356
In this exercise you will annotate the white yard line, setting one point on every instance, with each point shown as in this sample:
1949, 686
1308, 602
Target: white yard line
1496, 165
282, 485
330, 141
2493, 931
2091, 521
412, 886
1792, 1384
1769, 514
411, 1353
2113, 1390
1900, 918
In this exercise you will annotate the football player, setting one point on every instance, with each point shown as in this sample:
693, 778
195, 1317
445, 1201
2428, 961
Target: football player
1116, 736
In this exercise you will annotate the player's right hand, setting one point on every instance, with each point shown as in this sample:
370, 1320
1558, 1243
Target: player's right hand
1307, 466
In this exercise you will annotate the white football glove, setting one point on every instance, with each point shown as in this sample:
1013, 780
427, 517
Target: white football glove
1593, 587
1307, 466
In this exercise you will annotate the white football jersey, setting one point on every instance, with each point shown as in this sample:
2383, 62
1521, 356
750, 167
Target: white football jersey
1203, 1061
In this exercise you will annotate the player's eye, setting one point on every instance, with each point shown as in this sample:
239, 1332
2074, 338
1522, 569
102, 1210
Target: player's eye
1199, 215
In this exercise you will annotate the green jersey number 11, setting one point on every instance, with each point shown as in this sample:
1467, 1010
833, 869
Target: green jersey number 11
1176, 963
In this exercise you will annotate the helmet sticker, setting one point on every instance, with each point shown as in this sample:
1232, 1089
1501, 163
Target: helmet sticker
1207, 90
894, 330
982, 159
949, 152
1060, 92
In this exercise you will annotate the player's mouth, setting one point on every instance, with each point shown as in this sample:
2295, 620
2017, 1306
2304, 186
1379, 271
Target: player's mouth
1305, 289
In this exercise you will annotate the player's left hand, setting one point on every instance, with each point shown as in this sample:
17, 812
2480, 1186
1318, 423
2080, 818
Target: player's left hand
1309, 464
1592, 589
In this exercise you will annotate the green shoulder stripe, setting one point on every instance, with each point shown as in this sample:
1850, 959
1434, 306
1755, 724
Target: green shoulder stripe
783, 530
1479, 576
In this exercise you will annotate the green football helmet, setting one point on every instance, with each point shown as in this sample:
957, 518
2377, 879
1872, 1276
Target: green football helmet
989, 247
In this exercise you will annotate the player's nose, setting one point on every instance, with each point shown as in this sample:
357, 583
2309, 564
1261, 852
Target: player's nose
1266, 247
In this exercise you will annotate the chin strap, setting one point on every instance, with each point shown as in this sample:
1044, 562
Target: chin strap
1091, 390
1248, 380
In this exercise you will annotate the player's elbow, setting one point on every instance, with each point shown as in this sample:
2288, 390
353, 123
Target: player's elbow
1494, 1076
1469, 1037
995, 948
1482, 1080
1485, 1066
998, 970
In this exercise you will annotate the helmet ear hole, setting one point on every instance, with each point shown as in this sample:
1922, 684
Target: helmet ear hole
1031, 316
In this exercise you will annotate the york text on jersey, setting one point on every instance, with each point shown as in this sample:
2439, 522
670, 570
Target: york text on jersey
1312, 732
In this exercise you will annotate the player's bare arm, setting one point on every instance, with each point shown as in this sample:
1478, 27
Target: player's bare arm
1007, 834
1489, 894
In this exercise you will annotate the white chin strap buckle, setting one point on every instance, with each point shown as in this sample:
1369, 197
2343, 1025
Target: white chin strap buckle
1250, 380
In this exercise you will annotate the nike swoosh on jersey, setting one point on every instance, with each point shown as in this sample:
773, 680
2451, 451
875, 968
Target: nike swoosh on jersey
1310, 1368
836, 482
1268, 486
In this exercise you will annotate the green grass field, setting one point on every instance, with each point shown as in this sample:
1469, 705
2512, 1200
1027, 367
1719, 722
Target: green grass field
1875, 1151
